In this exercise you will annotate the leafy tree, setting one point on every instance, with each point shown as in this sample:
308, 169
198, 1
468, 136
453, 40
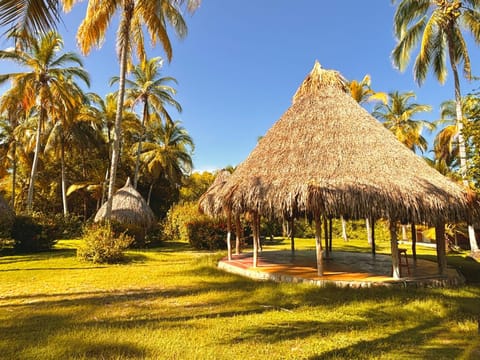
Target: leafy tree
362, 91
135, 16
398, 116
48, 80
167, 153
195, 185
148, 88
440, 25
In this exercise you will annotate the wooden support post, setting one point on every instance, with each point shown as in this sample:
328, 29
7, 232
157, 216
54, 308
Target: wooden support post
325, 231
372, 232
441, 248
238, 234
330, 233
318, 245
292, 233
229, 235
255, 243
259, 243
414, 243
394, 247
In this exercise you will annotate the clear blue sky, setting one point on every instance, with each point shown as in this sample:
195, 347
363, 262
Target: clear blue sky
242, 61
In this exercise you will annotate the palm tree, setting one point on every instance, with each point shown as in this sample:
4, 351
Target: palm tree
31, 16
440, 25
362, 91
48, 81
15, 110
155, 15
167, 152
149, 88
398, 116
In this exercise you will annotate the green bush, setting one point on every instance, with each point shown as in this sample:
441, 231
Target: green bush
179, 215
31, 236
101, 245
6, 225
207, 234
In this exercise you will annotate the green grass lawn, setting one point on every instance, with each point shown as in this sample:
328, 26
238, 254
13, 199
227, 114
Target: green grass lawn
173, 303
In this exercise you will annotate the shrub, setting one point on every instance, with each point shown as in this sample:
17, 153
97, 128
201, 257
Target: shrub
179, 215
6, 225
103, 246
207, 234
31, 236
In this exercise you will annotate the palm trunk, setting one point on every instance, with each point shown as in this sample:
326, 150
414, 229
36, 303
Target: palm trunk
117, 135
14, 172
139, 148
33, 173
149, 193
344, 228
64, 182
461, 141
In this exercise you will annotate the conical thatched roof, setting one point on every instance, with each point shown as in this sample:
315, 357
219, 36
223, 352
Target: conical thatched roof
128, 207
206, 202
328, 156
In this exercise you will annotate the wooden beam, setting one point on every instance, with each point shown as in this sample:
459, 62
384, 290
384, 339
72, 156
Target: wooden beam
255, 243
414, 243
238, 234
318, 245
441, 248
229, 235
330, 233
394, 247
372, 235
325, 231
292, 233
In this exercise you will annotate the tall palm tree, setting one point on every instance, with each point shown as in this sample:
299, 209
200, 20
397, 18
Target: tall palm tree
149, 89
398, 116
167, 152
440, 25
31, 16
47, 80
135, 16
15, 108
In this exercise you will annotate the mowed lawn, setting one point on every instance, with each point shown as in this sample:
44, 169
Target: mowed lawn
173, 303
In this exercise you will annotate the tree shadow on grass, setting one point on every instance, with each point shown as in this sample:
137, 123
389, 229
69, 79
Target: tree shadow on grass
11, 258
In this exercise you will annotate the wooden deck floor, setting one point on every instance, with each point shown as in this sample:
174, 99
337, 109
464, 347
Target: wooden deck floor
345, 269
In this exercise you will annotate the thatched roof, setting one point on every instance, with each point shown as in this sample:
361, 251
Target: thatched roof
328, 156
206, 203
128, 207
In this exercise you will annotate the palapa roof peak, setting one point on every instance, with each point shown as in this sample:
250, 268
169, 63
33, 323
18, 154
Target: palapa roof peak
328, 156
318, 80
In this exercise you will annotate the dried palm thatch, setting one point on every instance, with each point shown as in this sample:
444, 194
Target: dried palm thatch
206, 203
328, 156
128, 207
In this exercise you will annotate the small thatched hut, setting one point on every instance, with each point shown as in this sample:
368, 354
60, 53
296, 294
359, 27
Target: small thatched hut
327, 156
128, 208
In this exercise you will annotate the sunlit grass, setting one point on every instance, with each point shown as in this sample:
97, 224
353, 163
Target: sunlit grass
173, 303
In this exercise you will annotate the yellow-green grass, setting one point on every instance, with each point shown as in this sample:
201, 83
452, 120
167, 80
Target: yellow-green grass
173, 303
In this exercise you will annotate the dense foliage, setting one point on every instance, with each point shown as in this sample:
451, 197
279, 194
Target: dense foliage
102, 245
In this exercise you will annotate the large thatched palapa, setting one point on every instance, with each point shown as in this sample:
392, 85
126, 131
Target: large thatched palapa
327, 156
128, 207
